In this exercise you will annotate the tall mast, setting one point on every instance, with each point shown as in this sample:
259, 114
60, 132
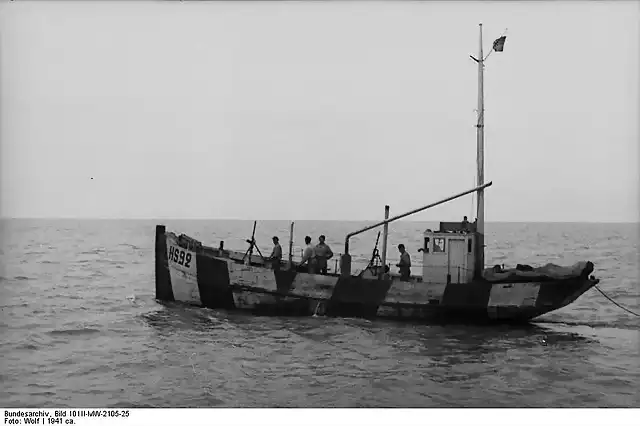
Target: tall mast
480, 163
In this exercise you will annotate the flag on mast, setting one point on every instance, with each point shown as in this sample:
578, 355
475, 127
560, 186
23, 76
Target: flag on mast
498, 44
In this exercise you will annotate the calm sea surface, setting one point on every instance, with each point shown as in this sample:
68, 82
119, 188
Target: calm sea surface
80, 328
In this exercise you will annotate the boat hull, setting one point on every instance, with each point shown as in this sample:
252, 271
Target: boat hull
199, 278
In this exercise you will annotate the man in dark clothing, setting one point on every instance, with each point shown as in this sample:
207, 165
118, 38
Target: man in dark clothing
276, 254
323, 254
405, 263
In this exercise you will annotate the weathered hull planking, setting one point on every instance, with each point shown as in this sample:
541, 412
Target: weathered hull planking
198, 277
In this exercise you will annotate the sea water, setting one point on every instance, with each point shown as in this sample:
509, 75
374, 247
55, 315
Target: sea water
81, 328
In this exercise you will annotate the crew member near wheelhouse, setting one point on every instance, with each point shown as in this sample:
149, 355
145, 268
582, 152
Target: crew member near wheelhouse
308, 256
404, 264
276, 254
323, 253
465, 224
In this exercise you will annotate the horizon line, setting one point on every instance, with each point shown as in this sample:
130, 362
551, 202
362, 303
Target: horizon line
300, 220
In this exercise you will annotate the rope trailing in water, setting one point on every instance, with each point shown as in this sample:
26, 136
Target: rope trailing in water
616, 303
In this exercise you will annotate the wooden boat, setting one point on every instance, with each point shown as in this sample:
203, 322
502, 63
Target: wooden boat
454, 284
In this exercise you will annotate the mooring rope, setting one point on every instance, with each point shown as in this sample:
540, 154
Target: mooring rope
616, 303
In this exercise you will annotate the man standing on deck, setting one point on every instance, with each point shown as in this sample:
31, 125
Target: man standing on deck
323, 253
465, 224
405, 263
309, 255
276, 254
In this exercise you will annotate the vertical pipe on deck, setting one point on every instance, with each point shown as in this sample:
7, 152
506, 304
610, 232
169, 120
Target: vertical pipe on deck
385, 234
291, 245
448, 249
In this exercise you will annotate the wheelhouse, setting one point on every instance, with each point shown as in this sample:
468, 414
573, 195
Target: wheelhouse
448, 254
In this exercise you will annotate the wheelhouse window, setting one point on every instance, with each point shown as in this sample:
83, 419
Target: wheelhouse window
439, 245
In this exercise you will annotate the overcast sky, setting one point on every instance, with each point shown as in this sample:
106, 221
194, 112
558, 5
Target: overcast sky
317, 110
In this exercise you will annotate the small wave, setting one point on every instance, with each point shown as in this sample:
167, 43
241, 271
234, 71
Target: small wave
74, 332
109, 261
50, 262
27, 346
136, 405
75, 277
22, 278
94, 251
44, 393
70, 296
592, 324
15, 305
100, 368
133, 246
43, 385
